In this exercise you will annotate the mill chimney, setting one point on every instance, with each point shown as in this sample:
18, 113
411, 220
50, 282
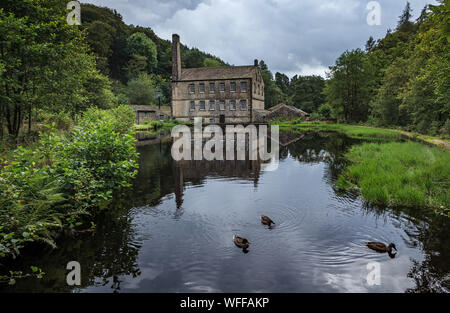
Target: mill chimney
176, 58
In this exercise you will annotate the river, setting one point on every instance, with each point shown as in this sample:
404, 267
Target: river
173, 232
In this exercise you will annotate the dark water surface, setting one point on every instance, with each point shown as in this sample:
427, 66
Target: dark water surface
174, 232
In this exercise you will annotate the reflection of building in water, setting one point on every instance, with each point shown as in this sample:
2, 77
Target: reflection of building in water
286, 138
187, 170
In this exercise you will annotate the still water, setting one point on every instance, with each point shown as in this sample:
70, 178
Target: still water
174, 231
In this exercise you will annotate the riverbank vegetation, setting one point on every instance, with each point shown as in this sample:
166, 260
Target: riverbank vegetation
60, 183
405, 174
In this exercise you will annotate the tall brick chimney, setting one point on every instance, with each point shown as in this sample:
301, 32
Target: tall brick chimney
176, 58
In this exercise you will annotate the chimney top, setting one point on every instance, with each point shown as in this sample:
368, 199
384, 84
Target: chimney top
256, 62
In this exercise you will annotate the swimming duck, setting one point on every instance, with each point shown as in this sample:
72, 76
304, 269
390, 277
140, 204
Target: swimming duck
381, 247
266, 220
241, 242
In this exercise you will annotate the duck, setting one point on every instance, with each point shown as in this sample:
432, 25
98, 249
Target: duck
381, 247
266, 220
241, 242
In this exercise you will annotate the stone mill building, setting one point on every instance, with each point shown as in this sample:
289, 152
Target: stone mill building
228, 94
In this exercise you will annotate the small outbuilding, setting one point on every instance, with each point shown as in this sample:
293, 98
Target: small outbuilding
283, 110
151, 113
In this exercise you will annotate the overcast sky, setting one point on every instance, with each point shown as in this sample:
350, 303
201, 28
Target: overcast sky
292, 36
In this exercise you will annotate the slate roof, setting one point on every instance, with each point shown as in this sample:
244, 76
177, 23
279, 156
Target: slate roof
222, 72
290, 107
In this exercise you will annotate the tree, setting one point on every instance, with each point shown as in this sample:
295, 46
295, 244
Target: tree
347, 91
140, 44
282, 81
307, 93
272, 93
100, 37
210, 62
370, 44
45, 64
141, 90
136, 65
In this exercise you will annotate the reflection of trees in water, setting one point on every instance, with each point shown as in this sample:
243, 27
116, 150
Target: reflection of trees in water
431, 234
433, 273
327, 147
104, 256
428, 231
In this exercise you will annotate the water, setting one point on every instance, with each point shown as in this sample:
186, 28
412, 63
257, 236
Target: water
173, 232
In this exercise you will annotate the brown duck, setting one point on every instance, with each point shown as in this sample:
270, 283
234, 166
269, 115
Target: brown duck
266, 220
241, 242
382, 248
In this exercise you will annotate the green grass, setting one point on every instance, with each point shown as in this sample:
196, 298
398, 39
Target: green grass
406, 174
359, 131
157, 125
353, 131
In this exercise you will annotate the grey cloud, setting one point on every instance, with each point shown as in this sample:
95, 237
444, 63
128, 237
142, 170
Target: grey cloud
291, 36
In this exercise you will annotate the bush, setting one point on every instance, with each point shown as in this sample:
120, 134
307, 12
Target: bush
324, 111
50, 188
121, 118
61, 120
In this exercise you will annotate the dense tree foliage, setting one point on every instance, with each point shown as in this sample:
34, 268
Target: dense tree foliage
48, 67
44, 63
402, 79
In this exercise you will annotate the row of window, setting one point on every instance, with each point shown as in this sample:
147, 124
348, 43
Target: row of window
221, 105
212, 87
258, 89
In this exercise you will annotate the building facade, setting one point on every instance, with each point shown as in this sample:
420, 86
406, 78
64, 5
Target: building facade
225, 95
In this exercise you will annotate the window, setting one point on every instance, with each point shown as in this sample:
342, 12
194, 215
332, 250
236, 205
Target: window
243, 86
222, 105
191, 88
212, 105
201, 87
212, 87
233, 87
221, 87
192, 106
191, 120
232, 105
259, 89
211, 121
243, 105
254, 88
202, 105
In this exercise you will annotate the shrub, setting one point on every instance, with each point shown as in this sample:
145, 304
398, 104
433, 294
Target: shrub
121, 118
50, 188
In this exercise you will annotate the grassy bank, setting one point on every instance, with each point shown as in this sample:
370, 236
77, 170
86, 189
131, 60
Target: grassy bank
61, 182
158, 125
400, 174
359, 132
